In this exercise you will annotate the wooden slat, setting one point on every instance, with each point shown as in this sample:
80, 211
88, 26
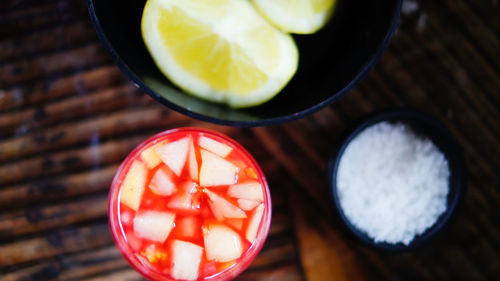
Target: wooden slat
62, 187
87, 56
322, 251
40, 218
63, 241
72, 267
101, 127
487, 42
78, 106
37, 16
111, 152
125, 275
49, 40
50, 89
283, 273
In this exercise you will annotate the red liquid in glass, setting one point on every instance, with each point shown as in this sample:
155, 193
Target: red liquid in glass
200, 211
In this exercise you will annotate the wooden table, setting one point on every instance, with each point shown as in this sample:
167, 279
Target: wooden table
68, 116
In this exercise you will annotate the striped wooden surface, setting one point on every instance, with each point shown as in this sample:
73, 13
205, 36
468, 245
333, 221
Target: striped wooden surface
68, 117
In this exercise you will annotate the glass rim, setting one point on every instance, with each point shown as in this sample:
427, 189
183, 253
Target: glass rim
117, 232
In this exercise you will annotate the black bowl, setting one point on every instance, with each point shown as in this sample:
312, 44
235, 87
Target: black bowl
427, 127
331, 61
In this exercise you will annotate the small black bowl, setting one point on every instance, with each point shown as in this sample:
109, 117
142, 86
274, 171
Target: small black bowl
331, 61
427, 127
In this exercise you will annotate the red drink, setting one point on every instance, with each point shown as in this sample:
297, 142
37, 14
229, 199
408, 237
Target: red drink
189, 204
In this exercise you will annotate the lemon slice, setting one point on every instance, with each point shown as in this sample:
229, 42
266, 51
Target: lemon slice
220, 50
296, 16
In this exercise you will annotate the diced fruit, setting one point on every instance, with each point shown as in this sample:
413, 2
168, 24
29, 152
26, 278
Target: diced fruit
221, 207
133, 185
134, 242
174, 154
153, 254
183, 201
209, 269
186, 259
161, 183
235, 223
150, 157
214, 146
153, 225
192, 162
126, 217
250, 172
216, 211
247, 205
254, 223
222, 244
215, 170
189, 227
225, 265
250, 190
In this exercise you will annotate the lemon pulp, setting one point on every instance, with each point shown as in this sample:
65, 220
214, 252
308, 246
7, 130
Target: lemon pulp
221, 50
297, 16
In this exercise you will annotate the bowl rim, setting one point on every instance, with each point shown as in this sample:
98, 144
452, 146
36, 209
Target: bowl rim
369, 64
455, 159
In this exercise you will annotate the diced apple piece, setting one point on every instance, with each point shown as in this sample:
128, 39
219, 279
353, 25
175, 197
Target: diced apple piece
221, 207
251, 173
133, 185
214, 146
153, 255
208, 268
134, 242
247, 205
183, 201
250, 190
216, 170
150, 157
235, 223
153, 225
222, 244
186, 259
254, 223
188, 227
174, 154
192, 162
161, 183
126, 217
216, 211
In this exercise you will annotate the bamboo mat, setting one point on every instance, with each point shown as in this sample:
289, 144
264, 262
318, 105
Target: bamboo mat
68, 117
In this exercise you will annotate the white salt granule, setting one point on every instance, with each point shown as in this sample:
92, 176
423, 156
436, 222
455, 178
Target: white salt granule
392, 184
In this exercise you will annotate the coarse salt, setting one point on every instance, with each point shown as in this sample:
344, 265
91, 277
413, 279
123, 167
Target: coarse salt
392, 184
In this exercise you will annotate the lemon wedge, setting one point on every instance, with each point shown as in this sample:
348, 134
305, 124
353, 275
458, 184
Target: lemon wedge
219, 50
296, 16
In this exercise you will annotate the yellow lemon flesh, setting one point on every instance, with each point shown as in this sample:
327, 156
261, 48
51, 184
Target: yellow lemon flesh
296, 16
219, 50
